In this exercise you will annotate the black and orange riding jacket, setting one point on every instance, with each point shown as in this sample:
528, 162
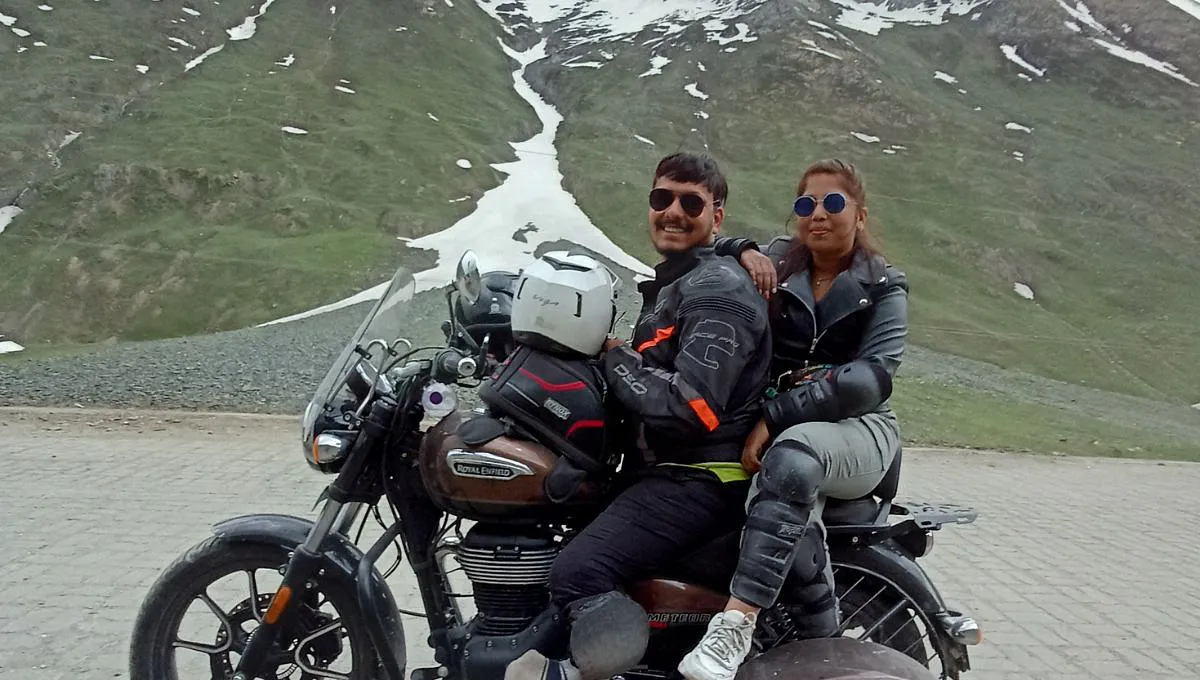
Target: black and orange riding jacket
694, 376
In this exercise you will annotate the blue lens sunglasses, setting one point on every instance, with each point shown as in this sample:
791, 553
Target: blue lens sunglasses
834, 202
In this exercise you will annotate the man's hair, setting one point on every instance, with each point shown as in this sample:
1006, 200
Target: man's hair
694, 169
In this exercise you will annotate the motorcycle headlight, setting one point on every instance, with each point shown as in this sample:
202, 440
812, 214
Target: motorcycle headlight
328, 451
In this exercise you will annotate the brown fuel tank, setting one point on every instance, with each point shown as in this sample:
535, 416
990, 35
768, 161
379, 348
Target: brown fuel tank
500, 479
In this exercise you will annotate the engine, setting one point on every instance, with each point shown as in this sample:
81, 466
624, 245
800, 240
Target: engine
509, 570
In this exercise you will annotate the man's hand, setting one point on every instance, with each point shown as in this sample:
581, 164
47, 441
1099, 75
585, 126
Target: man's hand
612, 342
761, 269
752, 449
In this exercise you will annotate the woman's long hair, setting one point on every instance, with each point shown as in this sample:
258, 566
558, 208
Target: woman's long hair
797, 257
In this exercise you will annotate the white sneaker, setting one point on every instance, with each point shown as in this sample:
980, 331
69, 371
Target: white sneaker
722, 649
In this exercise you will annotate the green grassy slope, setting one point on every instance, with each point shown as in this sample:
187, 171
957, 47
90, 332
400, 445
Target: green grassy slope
196, 194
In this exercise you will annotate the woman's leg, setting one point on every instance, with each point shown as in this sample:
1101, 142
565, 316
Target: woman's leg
804, 464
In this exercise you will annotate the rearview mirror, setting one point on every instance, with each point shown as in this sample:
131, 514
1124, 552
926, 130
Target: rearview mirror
467, 278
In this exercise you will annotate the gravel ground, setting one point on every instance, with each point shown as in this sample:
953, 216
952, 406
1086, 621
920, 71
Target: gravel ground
274, 369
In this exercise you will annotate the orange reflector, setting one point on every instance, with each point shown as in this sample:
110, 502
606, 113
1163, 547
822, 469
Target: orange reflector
277, 604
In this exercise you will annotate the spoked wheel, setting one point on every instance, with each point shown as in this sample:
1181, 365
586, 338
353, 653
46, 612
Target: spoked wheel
872, 609
198, 617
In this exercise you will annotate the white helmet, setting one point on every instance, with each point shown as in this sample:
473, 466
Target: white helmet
564, 304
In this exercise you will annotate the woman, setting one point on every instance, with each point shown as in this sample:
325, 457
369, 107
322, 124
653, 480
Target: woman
838, 321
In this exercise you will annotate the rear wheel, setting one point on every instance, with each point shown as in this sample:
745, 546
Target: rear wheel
873, 609
199, 614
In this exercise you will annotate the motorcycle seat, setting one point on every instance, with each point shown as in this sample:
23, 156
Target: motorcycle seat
865, 509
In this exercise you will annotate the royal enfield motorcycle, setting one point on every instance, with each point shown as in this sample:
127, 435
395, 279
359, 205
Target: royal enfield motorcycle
499, 492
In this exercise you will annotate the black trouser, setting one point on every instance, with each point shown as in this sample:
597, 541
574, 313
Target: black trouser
653, 523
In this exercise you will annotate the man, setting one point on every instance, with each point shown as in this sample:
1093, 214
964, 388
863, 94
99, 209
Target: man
690, 382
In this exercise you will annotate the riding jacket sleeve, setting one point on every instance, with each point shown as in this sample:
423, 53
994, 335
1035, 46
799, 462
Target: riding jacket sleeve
719, 330
860, 386
733, 246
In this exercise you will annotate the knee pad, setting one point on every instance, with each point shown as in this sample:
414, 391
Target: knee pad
609, 635
792, 472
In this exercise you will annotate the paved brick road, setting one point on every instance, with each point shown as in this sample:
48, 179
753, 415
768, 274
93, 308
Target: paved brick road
1077, 568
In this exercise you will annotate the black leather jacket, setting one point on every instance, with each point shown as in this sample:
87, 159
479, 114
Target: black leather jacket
699, 363
859, 327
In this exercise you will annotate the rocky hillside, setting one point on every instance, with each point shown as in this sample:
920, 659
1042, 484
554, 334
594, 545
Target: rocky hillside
181, 167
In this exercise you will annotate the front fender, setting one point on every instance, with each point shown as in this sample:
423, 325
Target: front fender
340, 560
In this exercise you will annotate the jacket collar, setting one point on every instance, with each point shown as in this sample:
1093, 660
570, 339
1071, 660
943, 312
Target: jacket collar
849, 292
672, 268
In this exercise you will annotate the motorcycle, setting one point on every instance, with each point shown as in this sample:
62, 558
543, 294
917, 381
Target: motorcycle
481, 487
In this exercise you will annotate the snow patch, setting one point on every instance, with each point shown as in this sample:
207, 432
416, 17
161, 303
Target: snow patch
181, 41
1010, 52
945, 77
873, 17
644, 140
432, 117
827, 53
248, 27
583, 64
716, 27
200, 59
700, 65
97, 57
7, 214
692, 89
189, 10
343, 88
142, 68
701, 114
580, 22
1074, 26
8, 347
46, 8
38, 43
1196, 405
531, 200
7, 20
20, 32
657, 63
1020, 157
890, 152
1144, 59
1023, 290
292, 130
463, 163
287, 61
1017, 126
1083, 14
863, 137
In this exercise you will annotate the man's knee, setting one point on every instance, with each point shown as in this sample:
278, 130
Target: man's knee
792, 471
609, 634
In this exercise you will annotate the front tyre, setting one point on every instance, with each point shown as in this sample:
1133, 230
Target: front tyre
187, 629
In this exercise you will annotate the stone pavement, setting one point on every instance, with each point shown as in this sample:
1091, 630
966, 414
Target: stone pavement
1076, 568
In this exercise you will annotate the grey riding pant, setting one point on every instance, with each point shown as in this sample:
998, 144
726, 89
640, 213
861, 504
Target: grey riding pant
855, 452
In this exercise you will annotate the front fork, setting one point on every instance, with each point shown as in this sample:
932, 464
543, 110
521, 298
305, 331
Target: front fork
304, 562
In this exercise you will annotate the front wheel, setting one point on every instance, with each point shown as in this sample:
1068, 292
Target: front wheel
199, 614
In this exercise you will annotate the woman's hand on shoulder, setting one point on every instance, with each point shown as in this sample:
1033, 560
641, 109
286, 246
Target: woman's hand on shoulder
761, 269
